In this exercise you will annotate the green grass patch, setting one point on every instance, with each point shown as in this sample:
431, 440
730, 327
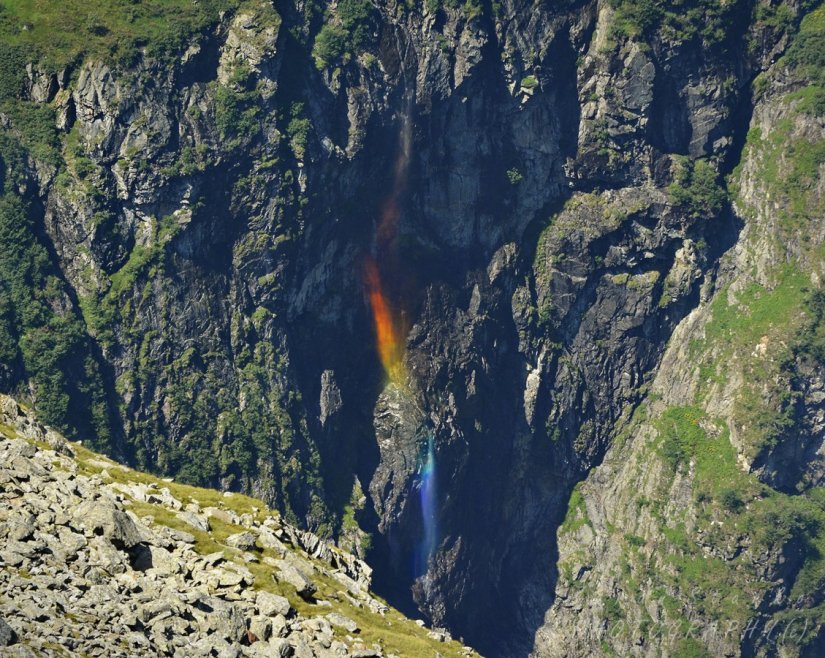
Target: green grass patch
706, 21
61, 33
806, 52
753, 333
732, 504
576, 516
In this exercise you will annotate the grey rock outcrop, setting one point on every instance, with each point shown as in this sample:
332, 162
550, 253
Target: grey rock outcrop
7, 634
86, 569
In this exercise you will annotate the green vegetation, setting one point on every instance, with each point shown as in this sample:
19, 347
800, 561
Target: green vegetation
811, 100
757, 336
612, 609
209, 440
529, 82
193, 159
237, 108
730, 500
145, 261
40, 345
32, 125
754, 341
790, 165
331, 44
356, 17
681, 20
783, 319
769, 518
298, 129
347, 32
693, 578
61, 33
358, 541
696, 188
470, 8
689, 647
13, 62
777, 17
576, 516
681, 435
806, 53
805, 58
758, 317
43, 345
809, 341
514, 176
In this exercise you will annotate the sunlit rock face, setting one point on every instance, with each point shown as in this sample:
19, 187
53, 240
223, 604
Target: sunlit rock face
413, 292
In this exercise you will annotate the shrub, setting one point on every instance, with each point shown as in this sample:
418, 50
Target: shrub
730, 500
356, 18
636, 18
696, 188
812, 100
350, 33
806, 51
810, 340
612, 609
298, 129
12, 71
708, 20
50, 344
237, 108
35, 125
330, 45
681, 433
514, 176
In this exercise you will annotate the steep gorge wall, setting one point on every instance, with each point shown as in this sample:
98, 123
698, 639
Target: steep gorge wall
208, 218
701, 530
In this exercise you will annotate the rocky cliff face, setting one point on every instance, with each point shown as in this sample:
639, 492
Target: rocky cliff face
567, 267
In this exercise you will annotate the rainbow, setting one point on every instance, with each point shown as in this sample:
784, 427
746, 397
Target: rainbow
391, 332
428, 495
388, 326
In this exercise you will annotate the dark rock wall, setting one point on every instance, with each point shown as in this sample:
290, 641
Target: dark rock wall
212, 217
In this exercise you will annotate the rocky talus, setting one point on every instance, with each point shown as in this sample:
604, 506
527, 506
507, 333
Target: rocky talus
98, 560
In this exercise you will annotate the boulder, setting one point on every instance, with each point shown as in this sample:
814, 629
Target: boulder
261, 627
102, 517
243, 541
270, 604
341, 621
289, 573
195, 520
7, 634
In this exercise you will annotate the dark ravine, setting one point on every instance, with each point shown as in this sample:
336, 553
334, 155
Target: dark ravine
587, 192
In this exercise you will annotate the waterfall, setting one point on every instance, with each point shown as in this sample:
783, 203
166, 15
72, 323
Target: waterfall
428, 495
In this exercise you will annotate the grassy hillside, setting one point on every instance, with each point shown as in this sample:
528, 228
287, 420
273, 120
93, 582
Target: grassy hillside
64, 32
